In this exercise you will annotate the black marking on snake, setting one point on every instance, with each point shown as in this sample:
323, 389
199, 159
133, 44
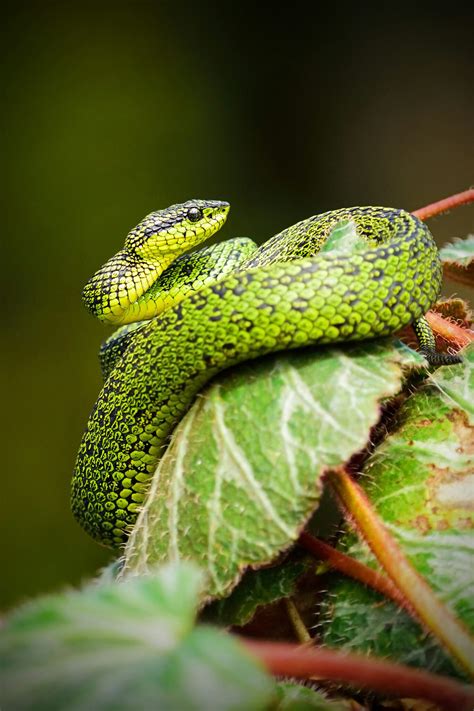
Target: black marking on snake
178, 311
219, 289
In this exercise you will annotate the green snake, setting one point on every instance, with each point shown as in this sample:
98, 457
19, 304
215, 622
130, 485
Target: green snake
189, 316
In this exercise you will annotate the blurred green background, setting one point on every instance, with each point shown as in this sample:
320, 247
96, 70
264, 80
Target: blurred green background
111, 111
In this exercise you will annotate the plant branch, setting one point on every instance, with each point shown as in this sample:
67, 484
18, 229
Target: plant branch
437, 208
430, 610
297, 623
354, 569
281, 658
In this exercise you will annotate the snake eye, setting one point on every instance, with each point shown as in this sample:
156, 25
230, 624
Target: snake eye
194, 214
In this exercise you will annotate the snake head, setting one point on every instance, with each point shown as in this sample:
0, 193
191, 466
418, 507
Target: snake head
165, 234
149, 249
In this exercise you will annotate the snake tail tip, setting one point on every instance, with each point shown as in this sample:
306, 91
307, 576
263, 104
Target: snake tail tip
435, 359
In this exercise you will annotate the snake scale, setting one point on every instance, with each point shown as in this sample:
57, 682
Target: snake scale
192, 315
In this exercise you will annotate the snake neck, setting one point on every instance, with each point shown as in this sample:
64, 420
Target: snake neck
112, 292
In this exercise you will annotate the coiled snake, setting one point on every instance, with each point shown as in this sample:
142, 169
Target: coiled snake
225, 304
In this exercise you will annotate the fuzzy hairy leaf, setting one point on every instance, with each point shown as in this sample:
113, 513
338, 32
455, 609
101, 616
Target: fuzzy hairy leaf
115, 647
294, 697
257, 588
421, 481
460, 252
344, 238
242, 474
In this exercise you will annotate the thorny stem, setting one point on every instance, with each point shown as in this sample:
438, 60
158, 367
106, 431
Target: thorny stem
430, 610
284, 659
436, 208
354, 569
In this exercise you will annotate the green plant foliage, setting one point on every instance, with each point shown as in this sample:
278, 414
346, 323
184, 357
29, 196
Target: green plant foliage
421, 481
133, 645
294, 697
242, 474
344, 238
458, 260
257, 588
460, 252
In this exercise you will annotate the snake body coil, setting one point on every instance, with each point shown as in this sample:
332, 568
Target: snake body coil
286, 294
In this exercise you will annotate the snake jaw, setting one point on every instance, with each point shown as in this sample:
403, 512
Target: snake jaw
164, 235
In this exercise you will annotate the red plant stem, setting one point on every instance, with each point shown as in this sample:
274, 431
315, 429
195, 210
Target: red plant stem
353, 568
448, 330
435, 616
285, 659
436, 208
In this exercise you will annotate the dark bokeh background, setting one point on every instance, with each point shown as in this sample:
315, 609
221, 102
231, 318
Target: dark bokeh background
109, 112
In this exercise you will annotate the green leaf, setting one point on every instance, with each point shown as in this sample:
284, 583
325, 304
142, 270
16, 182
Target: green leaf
126, 646
295, 697
458, 260
460, 252
108, 574
421, 481
455, 386
242, 474
344, 238
257, 588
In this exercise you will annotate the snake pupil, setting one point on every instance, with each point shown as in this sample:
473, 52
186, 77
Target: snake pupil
194, 214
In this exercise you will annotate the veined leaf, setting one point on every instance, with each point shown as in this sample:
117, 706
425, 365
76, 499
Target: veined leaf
242, 474
421, 481
118, 647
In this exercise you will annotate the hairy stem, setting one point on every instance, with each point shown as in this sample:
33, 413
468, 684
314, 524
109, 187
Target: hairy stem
449, 330
284, 659
353, 569
437, 208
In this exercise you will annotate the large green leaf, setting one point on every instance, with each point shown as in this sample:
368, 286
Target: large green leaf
243, 471
125, 646
421, 481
